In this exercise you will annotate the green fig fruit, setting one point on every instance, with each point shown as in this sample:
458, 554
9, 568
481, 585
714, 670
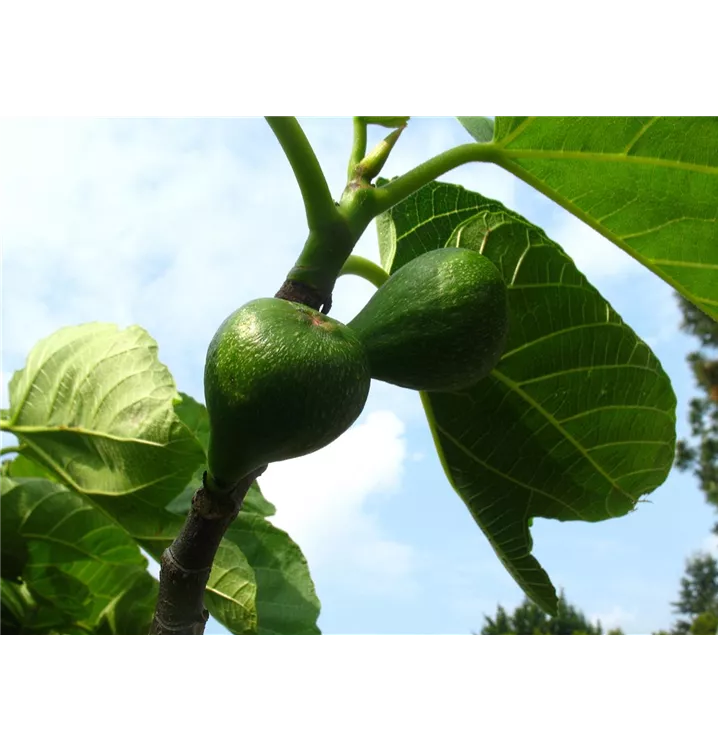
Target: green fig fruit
281, 380
439, 323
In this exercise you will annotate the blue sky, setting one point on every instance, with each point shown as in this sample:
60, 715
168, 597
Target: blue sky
172, 224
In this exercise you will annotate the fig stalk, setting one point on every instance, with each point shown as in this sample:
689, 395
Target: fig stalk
186, 564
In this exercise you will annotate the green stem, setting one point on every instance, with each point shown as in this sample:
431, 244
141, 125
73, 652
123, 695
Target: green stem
397, 190
356, 265
318, 265
10, 449
318, 203
358, 146
326, 249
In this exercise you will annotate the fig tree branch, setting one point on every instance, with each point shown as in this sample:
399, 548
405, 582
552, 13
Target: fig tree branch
318, 203
186, 564
311, 280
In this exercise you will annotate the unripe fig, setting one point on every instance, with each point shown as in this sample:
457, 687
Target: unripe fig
281, 380
439, 323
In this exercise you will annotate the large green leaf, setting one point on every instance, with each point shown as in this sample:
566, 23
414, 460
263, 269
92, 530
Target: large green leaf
426, 220
95, 406
16, 605
71, 554
22, 613
230, 591
576, 422
287, 602
69, 594
194, 415
94, 409
648, 184
480, 128
22, 466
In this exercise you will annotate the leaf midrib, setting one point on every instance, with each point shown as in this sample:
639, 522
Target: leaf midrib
586, 368
64, 429
558, 426
604, 158
92, 493
503, 475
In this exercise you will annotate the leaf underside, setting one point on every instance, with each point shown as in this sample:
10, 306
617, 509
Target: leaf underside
576, 422
74, 557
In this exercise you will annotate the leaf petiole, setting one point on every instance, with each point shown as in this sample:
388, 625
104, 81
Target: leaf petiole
356, 265
397, 190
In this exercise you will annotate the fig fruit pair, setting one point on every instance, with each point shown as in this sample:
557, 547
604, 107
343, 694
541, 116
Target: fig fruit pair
282, 380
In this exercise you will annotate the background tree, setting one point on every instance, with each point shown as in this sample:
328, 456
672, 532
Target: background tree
700, 453
698, 324
705, 624
529, 619
698, 597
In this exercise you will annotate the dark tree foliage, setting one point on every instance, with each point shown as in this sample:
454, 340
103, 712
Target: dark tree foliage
698, 324
700, 452
529, 619
698, 597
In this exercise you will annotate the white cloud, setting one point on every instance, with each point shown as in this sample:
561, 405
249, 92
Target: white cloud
710, 545
405, 403
329, 502
665, 318
140, 222
616, 617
